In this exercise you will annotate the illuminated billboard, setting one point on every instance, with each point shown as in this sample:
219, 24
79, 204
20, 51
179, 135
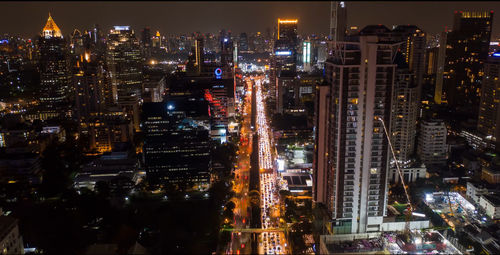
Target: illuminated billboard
283, 53
122, 27
281, 165
306, 52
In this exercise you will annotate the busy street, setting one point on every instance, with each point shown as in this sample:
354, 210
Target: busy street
272, 242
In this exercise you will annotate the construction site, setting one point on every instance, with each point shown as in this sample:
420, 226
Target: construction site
404, 231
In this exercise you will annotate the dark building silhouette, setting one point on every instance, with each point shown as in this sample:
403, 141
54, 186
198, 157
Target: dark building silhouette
177, 141
54, 68
467, 50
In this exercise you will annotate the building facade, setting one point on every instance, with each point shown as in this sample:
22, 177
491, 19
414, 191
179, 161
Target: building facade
11, 241
351, 157
177, 141
124, 62
405, 107
432, 148
54, 68
467, 50
489, 109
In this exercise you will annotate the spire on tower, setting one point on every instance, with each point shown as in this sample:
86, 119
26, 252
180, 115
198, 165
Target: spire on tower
51, 29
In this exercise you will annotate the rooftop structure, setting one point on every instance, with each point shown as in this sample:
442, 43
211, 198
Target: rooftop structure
51, 29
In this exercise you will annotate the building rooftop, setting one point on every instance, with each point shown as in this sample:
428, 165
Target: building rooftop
356, 246
51, 28
494, 199
7, 223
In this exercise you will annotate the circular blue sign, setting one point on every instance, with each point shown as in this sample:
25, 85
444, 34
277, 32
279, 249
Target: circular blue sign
218, 71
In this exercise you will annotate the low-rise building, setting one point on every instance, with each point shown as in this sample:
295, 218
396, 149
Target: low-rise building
118, 169
20, 167
491, 205
491, 174
11, 241
299, 183
476, 189
411, 170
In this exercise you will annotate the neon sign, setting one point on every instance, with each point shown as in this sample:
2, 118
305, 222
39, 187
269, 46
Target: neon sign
218, 73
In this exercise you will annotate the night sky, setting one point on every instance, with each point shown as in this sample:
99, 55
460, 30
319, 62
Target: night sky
28, 18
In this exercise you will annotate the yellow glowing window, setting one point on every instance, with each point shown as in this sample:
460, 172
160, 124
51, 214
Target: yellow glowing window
354, 101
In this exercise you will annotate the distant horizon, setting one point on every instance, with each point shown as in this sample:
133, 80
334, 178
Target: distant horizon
26, 19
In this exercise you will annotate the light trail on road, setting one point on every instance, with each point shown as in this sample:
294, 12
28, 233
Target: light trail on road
270, 242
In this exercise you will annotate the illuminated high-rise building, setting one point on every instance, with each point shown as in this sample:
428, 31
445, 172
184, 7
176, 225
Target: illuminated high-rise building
89, 80
157, 43
351, 158
438, 92
99, 121
54, 67
338, 21
287, 30
404, 114
125, 66
177, 141
306, 55
124, 61
285, 48
146, 37
243, 42
146, 42
467, 50
226, 49
489, 110
413, 51
199, 54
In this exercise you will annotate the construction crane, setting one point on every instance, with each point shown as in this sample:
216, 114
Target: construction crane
410, 208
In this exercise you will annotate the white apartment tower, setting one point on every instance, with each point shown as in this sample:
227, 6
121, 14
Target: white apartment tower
352, 155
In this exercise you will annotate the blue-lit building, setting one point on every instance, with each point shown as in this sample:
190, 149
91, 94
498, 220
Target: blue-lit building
177, 141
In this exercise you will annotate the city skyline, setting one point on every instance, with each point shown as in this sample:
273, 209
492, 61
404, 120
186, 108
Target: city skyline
27, 18
178, 128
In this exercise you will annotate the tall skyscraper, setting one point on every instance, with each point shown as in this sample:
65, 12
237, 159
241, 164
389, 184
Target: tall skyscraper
177, 141
226, 49
467, 50
243, 42
125, 66
413, 50
287, 30
146, 42
54, 67
124, 62
199, 54
352, 155
285, 48
338, 21
441, 57
306, 55
89, 83
156, 41
404, 114
489, 110
146, 37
